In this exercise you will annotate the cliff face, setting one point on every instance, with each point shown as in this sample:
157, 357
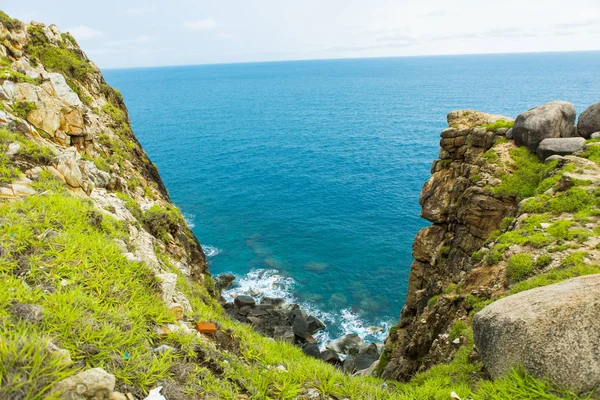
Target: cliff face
464, 214
503, 222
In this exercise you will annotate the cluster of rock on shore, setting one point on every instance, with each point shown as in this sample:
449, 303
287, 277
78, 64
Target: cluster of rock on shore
550, 130
282, 321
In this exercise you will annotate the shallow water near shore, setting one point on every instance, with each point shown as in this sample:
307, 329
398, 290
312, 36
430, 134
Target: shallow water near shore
303, 178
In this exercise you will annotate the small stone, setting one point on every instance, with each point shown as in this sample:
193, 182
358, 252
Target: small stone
254, 292
545, 225
456, 341
13, 149
162, 331
117, 396
280, 368
93, 383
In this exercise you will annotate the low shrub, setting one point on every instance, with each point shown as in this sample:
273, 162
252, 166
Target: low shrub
519, 266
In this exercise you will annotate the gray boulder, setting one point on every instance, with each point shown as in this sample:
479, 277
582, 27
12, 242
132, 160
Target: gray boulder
243, 301
589, 121
552, 331
349, 344
330, 356
284, 334
560, 147
595, 135
552, 120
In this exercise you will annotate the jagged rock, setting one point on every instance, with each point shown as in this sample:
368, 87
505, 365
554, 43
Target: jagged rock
349, 344
315, 324
66, 164
300, 325
552, 331
560, 147
426, 241
57, 86
472, 118
311, 349
552, 120
589, 121
243, 301
100, 179
330, 356
223, 281
92, 384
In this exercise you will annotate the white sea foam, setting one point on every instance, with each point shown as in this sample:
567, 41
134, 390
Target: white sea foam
269, 283
189, 220
211, 251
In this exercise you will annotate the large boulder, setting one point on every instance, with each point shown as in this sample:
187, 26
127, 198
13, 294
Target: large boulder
589, 121
552, 331
552, 120
560, 147
349, 344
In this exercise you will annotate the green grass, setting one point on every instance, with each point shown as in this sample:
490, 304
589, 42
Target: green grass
58, 59
29, 151
499, 124
526, 176
574, 200
22, 108
519, 266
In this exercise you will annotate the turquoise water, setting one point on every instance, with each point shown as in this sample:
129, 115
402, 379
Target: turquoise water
311, 170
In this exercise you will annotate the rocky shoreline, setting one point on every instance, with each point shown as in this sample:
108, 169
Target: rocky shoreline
287, 322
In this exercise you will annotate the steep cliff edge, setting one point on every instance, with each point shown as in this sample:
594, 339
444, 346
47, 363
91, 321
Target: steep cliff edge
503, 222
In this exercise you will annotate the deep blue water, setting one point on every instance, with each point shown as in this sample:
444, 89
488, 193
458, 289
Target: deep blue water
313, 168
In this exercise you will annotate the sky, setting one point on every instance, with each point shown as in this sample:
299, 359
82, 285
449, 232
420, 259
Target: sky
118, 34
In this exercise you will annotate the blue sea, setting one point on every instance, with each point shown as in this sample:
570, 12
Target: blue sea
302, 178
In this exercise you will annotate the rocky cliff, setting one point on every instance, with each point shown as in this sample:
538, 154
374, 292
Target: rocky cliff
505, 219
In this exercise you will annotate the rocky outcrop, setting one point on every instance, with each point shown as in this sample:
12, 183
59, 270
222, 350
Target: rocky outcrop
559, 147
552, 331
552, 120
589, 121
464, 214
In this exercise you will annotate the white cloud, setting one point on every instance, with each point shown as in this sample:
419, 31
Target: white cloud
201, 24
83, 32
140, 11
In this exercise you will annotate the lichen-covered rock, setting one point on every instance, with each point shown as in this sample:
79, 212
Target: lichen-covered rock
552, 120
560, 147
552, 331
589, 121
92, 384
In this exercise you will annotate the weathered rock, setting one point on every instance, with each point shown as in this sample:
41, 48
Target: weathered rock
58, 87
66, 164
243, 301
552, 331
311, 349
101, 179
369, 371
223, 281
589, 121
315, 324
349, 344
348, 366
366, 356
595, 135
92, 384
552, 120
284, 334
560, 147
300, 324
330, 356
